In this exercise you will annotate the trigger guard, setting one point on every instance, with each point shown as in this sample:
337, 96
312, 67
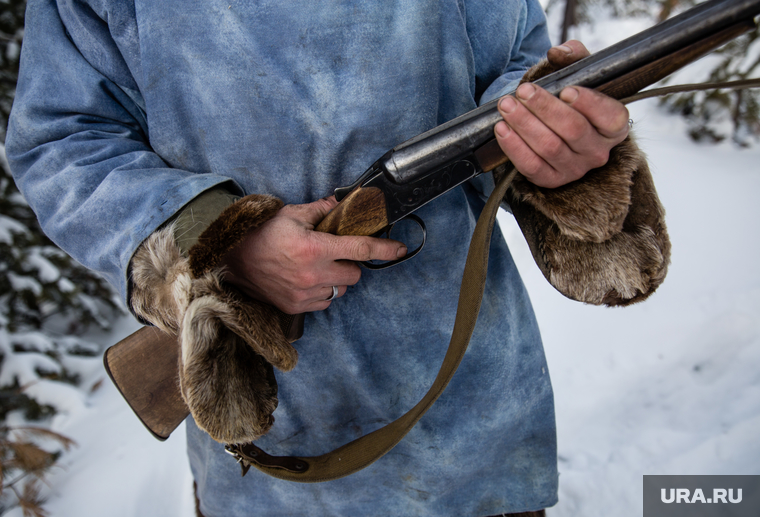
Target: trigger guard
387, 231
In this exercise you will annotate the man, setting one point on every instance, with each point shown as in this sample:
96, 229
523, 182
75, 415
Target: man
132, 116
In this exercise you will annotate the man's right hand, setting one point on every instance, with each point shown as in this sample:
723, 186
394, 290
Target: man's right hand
287, 264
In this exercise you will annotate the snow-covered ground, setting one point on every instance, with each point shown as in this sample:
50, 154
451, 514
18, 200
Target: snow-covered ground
671, 386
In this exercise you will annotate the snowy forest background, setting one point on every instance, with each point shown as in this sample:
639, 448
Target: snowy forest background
671, 386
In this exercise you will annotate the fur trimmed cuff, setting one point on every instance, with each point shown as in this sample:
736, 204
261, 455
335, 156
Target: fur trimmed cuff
229, 343
228, 347
160, 281
601, 239
593, 208
539, 70
229, 228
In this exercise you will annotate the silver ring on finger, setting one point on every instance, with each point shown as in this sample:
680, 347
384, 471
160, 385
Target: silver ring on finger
333, 295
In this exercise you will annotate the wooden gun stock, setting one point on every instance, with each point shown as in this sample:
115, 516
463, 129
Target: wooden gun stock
144, 365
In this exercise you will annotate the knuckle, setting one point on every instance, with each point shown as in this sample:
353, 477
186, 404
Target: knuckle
599, 158
355, 275
305, 279
309, 250
557, 179
575, 133
553, 148
289, 309
572, 174
313, 248
300, 297
301, 248
363, 251
534, 170
290, 306
550, 179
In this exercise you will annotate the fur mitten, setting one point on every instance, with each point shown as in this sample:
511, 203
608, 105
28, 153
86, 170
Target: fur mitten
229, 342
601, 239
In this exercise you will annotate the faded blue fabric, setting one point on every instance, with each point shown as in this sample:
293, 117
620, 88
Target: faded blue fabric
125, 111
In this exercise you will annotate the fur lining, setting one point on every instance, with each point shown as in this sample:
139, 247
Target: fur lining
229, 228
600, 239
620, 270
256, 323
229, 343
160, 281
593, 208
539, 70
230, 389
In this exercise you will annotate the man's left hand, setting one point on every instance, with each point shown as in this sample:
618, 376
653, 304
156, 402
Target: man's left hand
552, 140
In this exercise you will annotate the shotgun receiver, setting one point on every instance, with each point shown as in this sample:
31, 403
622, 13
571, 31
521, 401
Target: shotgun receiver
144, 365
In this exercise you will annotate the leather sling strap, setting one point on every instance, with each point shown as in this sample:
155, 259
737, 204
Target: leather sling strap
364, 451
683, 88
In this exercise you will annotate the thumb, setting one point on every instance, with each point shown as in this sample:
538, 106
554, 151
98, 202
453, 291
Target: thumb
567, 53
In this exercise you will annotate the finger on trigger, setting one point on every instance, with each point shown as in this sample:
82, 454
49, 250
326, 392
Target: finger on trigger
362, 249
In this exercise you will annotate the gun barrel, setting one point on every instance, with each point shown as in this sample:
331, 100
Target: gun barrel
433, 149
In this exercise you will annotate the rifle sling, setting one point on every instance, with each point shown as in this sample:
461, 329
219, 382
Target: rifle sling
682, 88
364, 451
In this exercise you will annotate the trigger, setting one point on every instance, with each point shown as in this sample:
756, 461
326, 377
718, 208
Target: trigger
387, 231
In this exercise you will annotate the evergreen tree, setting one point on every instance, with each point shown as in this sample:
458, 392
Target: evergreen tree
47, 301
11, 33
713, 115
577, 12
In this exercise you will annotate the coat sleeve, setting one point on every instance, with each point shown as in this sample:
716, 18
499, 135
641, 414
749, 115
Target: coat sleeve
530, 42
498, 74
78, 146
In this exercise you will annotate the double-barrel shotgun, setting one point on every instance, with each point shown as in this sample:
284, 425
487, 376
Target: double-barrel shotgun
144, 365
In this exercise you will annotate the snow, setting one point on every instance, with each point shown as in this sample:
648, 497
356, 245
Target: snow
8, 226
23, 282
670, 386
46, 271
68, 400
117, 468
66, 285
24, 367
32, 341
